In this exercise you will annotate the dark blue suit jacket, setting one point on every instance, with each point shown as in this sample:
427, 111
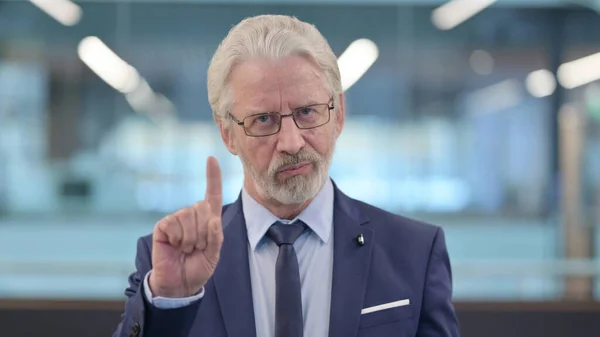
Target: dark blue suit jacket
400, 259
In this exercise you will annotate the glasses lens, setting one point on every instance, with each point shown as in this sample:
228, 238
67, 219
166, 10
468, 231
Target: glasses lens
262, 124
311, 116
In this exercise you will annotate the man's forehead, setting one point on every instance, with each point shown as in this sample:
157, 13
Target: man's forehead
257, 87
282, 73
275, 100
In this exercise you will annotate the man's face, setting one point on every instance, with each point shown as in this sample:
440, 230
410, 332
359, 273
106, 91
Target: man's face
290, 166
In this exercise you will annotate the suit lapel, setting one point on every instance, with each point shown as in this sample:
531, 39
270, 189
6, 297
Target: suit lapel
350, 266
232, 276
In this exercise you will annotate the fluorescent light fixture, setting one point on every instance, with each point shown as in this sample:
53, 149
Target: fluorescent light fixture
496, 97
108, 65
144, 100
142, 97
124, 78
356, 60
579, 72
540, 83
453, 13
64, 11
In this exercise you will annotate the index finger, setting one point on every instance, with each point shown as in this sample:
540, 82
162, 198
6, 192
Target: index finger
214, 186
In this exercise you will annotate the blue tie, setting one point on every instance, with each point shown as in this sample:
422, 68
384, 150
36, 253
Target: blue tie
288, 298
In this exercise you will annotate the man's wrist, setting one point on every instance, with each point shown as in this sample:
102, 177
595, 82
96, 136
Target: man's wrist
170, 293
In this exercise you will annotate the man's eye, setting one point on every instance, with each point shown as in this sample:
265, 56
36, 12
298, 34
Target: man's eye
306, 111
262, 119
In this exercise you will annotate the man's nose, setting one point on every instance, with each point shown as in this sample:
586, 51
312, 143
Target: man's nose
290, 138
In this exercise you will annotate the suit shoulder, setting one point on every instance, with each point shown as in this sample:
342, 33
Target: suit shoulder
146, 239
384, 220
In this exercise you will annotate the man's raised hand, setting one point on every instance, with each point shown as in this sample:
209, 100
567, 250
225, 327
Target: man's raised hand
187, 243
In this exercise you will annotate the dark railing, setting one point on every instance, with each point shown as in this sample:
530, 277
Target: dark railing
31, 318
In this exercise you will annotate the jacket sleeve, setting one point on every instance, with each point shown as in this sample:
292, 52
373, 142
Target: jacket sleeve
438, 318
141, 318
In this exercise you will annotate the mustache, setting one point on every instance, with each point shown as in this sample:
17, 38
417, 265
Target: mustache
293, 159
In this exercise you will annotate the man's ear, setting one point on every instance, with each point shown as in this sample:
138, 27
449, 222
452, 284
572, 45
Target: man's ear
340, 117
228, 137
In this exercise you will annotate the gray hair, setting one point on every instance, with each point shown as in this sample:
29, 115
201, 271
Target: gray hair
270, 37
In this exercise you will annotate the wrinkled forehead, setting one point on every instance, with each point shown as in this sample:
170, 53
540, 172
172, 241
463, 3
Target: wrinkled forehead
260, 85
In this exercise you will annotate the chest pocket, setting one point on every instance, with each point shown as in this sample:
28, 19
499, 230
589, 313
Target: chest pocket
386, 315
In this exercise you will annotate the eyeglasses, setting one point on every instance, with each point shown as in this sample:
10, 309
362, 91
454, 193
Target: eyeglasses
269, 123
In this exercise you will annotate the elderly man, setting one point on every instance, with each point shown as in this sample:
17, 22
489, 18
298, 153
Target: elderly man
293, 256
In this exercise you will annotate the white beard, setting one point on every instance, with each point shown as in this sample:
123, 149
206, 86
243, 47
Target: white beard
293, 190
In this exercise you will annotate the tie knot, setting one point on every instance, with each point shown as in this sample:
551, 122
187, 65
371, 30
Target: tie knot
283, 234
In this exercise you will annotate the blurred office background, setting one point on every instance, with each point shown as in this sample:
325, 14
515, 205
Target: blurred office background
482, 118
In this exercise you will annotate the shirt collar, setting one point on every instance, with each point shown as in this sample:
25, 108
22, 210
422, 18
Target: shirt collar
318, 215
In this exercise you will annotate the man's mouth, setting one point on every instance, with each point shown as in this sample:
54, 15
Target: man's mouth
295, 169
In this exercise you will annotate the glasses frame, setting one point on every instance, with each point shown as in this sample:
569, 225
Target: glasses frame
330, 107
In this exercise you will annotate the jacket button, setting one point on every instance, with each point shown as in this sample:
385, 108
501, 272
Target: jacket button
135, 330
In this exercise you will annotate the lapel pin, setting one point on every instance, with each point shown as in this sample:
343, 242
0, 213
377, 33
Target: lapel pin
360, 239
